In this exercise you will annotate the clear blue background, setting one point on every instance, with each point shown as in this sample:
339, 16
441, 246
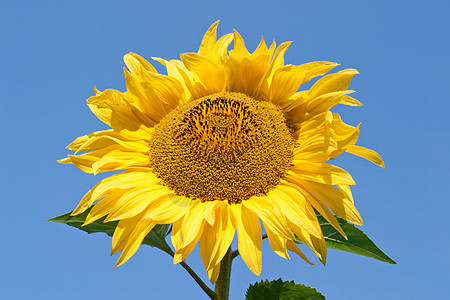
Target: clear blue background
52, 53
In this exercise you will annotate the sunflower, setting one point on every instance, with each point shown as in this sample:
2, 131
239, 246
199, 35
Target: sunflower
223, 143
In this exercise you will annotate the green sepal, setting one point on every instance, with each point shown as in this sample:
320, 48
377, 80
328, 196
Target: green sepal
155, 238
281, 290
358, 242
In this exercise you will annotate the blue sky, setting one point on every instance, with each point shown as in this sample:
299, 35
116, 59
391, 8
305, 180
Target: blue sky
52, 53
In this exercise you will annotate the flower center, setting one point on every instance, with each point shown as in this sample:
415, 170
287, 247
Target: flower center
225, 146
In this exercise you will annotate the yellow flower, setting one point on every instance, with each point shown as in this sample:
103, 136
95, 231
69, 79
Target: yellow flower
223, 142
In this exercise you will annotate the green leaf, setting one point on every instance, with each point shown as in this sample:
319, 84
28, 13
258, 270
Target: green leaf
155, 238
281, 290
358, 242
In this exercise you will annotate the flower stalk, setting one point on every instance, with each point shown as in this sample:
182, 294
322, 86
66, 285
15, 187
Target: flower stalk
200, 282
222, 287
194, 275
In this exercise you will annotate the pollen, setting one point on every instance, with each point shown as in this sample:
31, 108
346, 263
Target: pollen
225, 146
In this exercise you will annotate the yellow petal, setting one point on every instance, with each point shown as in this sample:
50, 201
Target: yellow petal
111, 107
177, 70
270, 215
335, 200
319, 206
210, 73
332, 83
317, 149
321, 173
146, 98
316, 68
317, 245
193, 222
277, 60
137, 64
102, 139
346, 190
252, 72
347, 100
177, 236
291, 246
296, 209
104, 207
285, 83
304, 112
192, 229
344, 134
239, 45
190, 81
137, 200
78, 142
367, 154
216, 239
209, 40
213, 273
113, 160
121, 234
247, 73
263, 50
277, 243
221, 47
249, 237
125, 180
319, 123
324, 102
135, 239
168, 208
168, 89
209, 211
108, 159
85, 202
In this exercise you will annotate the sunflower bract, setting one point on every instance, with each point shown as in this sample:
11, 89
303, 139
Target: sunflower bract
223, 143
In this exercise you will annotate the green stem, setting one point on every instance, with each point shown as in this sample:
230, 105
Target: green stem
234, 254
222, 287
197, 279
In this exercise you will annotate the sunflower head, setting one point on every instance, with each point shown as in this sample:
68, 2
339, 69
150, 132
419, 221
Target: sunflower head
225, 141
224, 147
